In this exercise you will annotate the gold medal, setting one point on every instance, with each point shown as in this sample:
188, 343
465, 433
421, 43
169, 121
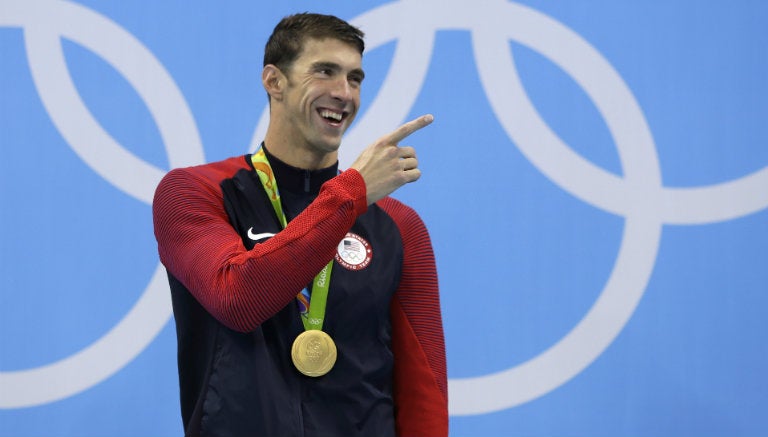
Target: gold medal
313, 353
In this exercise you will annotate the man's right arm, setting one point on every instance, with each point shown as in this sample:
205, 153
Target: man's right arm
243, 288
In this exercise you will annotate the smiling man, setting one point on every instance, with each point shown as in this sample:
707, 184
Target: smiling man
305, 299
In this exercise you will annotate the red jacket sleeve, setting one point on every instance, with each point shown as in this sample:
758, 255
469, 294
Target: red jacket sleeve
243, 288
420, 377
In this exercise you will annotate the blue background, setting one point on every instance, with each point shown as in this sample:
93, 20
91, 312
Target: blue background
520, 260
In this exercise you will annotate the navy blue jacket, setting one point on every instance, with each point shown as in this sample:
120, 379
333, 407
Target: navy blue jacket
236, 375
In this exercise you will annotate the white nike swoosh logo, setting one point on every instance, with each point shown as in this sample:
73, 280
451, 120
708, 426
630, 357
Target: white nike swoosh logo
257, 237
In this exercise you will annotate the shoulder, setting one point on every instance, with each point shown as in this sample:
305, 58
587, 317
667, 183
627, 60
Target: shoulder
206, 176
405, 216
211, 173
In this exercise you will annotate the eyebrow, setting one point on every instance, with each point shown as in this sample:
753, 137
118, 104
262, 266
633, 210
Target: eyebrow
336, 67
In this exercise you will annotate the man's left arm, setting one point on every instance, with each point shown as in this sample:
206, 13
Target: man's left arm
420, 377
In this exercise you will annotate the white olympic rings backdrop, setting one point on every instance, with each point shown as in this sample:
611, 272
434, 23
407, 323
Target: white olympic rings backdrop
507, 153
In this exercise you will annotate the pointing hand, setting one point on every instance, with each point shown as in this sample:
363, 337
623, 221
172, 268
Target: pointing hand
385, 166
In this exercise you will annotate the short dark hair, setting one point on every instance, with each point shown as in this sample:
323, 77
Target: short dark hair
288, 37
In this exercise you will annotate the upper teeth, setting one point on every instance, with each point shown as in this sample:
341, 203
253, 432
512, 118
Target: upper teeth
330, 114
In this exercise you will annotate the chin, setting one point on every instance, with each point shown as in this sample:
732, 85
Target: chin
330, 146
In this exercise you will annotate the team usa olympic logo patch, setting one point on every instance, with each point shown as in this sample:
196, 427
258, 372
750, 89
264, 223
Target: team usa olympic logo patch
353, 252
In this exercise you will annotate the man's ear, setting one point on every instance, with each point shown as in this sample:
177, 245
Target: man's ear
274, 81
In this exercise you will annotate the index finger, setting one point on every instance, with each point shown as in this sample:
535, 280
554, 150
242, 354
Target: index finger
406, 129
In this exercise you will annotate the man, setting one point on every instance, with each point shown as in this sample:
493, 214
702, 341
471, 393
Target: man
305, 299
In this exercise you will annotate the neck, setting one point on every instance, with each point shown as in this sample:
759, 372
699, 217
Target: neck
297, 180
297, 156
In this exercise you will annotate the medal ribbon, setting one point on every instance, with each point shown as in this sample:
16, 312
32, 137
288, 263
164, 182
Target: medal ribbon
311, 315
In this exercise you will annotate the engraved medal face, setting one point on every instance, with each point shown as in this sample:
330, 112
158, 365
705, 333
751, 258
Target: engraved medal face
313, 353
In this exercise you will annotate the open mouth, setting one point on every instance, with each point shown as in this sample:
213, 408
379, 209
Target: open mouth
333, 117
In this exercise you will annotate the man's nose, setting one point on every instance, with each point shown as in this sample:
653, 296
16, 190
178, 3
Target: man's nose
342, 89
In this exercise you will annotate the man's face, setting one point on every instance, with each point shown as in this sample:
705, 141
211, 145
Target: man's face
322, 96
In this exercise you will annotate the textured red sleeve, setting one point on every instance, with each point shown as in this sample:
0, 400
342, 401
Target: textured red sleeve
243, 288
421, 386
